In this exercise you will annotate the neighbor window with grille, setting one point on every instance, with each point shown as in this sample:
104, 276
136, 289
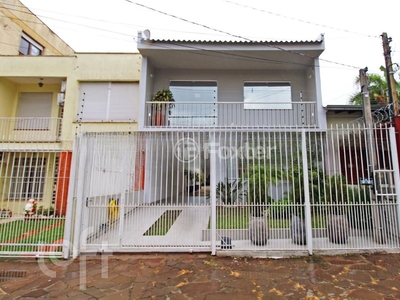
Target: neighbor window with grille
28, 178
29, 46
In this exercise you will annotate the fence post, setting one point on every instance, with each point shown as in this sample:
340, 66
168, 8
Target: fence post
80, 195
306, 193
395, 163
69, 214
213, 193
124, 185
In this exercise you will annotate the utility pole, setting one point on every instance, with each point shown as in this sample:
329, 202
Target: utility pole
379, 236
368, 121
389, 74
367, 114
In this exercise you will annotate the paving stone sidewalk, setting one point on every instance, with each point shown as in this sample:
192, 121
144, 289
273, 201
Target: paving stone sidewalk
202, 276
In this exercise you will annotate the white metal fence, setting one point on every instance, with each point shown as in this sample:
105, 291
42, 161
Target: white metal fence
296, 191
30, 129
33, 196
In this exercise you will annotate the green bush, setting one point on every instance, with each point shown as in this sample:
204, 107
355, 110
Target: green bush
45, 211
230, 192
259, 179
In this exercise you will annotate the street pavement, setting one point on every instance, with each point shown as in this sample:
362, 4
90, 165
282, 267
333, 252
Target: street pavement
202, 276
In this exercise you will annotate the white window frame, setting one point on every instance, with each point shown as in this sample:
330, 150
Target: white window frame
267, 95
33, 43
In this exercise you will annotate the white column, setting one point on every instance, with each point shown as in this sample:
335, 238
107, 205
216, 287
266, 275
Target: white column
213, 193
80, 195
70, 203
306, 193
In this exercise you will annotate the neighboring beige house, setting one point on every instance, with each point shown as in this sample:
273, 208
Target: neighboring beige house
345, 114
25, 34
49, 94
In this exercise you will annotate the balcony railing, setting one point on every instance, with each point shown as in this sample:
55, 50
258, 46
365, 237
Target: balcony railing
30, 129
231, 114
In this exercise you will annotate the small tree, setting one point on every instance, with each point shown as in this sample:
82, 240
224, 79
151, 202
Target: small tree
377, 86
259, 179
230, 192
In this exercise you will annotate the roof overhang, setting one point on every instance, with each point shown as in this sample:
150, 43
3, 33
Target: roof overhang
182, 54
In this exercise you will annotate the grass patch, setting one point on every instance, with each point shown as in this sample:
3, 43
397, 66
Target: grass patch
238, 218
27, 235
164, 223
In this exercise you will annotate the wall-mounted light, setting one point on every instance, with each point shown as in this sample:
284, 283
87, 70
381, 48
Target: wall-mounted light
310, 73
40, 84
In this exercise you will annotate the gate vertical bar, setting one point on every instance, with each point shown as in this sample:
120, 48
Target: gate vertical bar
306, 193
80, 195
69, 214
395, 163
213, 193
122, 204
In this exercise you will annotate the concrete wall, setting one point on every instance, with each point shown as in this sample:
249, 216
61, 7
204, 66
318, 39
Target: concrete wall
231, 82
343, 118
7, 97
230, 89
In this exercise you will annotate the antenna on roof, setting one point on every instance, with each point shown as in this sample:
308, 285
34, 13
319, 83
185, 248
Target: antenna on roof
146, 33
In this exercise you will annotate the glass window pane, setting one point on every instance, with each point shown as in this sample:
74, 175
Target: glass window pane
267, 95
24, 47
195, 103
34, 50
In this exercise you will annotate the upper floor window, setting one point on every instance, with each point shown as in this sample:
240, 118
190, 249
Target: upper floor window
34, 111
29, 46
109, 101
195, 103
267, 95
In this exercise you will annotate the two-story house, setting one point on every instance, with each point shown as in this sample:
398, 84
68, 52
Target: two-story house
229, 86
48, 95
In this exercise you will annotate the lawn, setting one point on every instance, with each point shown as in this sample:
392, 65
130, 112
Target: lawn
164, 223
238, 218
26, 235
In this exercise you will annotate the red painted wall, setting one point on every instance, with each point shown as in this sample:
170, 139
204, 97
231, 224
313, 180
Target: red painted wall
64, 170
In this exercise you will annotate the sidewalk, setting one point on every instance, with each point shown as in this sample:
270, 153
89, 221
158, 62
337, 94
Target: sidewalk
202, 276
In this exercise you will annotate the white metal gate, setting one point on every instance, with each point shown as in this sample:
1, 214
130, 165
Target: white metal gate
238, 192
136, 193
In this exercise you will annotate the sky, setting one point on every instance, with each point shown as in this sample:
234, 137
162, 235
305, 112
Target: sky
352, 29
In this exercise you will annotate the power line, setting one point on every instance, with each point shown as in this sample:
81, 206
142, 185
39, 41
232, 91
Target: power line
235, 35
129, 25
300, 20
244, 57
210, 28
83, 25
